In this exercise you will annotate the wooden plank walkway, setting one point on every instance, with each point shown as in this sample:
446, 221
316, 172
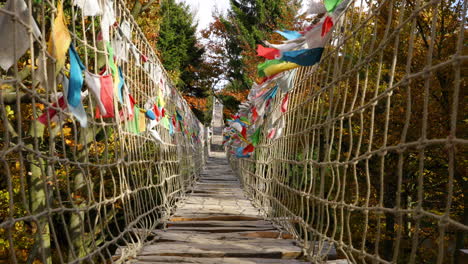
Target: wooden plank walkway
218, 224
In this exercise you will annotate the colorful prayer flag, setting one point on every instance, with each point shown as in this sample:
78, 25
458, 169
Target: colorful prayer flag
330, 5
289, 34
305, 57
268, 53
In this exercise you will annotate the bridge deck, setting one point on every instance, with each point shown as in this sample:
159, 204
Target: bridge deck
218, 224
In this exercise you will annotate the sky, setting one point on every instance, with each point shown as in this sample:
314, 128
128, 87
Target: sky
204, 9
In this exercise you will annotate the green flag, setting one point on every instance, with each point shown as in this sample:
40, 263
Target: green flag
262, 66
330, 5
132, 125
255, 138
165, 122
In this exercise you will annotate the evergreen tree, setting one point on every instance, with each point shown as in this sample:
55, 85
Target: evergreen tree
250, 22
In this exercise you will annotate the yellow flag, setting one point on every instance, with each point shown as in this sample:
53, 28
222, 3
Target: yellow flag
277, 68
141, 121
59, 39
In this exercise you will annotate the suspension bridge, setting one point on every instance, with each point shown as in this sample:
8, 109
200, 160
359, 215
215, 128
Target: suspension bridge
360, 158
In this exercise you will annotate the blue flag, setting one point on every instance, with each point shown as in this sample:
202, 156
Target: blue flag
289, 34
76, 78
304, 57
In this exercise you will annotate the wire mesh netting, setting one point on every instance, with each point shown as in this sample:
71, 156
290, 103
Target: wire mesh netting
372, 156
87, 172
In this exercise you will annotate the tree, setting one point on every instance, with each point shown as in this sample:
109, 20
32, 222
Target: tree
232, 40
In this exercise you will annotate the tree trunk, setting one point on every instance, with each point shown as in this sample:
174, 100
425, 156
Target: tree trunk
38, 193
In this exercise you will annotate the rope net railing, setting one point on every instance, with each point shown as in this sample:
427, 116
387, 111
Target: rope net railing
370, 156
96, 144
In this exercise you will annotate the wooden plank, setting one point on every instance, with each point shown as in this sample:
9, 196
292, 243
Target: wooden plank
196, 224
172, 259
222, 229
194, 236
237, 249
216, 218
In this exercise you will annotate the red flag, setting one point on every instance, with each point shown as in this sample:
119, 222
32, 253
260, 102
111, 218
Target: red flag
327, 25
248, 149
244, 132
52, 112
107, 93
272, 133
157, 112
254, 114
284, 104
268, 53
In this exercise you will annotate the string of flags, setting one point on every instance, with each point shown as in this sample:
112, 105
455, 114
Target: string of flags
299, 48
109, 90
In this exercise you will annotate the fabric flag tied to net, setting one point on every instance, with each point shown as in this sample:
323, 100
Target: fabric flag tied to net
152, 130
141, 120
289, 34
51, 112
284, 103
88, 7
15, 37
255, 137
78, 111
240, 153
107, 20
102, 88
248, 149
327, 25
150, 115
330, 5
254, 114
268, 53
305, 57
76, 78
59, 39
316, 7
132, 125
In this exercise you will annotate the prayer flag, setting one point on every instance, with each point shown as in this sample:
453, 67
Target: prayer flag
327, 25
76, 78
107, 97
88, 7
121, 84
59, 39
284, 103
244, 132
93, 81
289, 34
305, 57
278, 68
51, 112
150, 114
330, 5
268, 53
78, 111
271, 133
254, 114
107, 20
250, 148
15, 37
132, 124
240, 154
316, 7
262, 66
255, 138
141, 121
